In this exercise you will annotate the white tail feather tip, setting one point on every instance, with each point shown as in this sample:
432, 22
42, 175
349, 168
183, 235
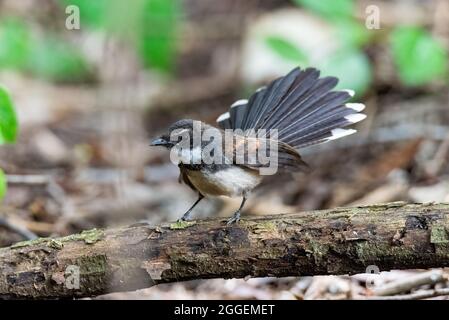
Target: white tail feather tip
355, 106
355, 117
350, 92
239, 103
224, 116
340, 133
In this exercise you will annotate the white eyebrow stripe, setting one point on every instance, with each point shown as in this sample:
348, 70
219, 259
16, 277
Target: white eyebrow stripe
355, 106
180, 131
224, 116
239, 103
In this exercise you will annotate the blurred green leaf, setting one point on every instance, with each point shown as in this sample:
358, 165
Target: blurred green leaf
418, 57
351, 33
350, 65
159, 33
151, 26
92, 12
2, 184
14, 44
285, 49
56, 60
352, 68
50, 57
329, 8
8, 119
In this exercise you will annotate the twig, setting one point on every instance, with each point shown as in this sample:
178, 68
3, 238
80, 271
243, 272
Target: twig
38, 227
407, 284
422, 294
54, 189
26, 234
437, 163
32, 179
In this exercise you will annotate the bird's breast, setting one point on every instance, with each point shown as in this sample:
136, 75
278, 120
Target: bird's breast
232, 181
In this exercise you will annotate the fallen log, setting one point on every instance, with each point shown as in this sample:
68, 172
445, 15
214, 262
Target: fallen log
327, 242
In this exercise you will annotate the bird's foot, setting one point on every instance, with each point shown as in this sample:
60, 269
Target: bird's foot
234, 219
185, 217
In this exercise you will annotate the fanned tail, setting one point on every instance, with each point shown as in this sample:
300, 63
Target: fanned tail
301, 106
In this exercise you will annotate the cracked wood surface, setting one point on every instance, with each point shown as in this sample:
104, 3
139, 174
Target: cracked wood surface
337, 241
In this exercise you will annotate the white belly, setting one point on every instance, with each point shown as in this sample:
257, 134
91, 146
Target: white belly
232, 182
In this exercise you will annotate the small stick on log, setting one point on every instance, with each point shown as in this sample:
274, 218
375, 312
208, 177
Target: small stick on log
418, 295
26, 234
30, 179
409, 283
327, 242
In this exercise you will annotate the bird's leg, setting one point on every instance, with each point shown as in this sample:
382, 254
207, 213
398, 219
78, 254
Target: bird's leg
236, 217
186, 216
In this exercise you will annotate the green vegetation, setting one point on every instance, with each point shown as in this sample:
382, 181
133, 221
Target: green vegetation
47, 56
349, 63
178, 225
2, 184
353, 69
8, 119
55, 60
151, 26
88, 236
331, 9
15, 40
158, 44
418, 57
93, 13
8, 129
285, 49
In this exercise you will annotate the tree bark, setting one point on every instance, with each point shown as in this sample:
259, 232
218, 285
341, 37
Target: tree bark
337, 241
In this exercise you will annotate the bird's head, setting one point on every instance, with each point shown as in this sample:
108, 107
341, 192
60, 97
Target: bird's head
180, 129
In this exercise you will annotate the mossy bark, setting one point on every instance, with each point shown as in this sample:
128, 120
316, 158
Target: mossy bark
337, 241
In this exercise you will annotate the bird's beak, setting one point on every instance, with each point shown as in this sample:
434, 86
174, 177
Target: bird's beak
159, 142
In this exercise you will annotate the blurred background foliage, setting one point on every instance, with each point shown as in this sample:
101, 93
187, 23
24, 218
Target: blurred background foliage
158, 60
88, 100
419, 57
8, 120
48, 56
150, 25
8, 129
152, 28
166, 59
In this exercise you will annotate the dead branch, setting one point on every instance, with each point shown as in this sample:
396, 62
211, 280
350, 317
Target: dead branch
404, 285
337, 241
418, 295
25, 233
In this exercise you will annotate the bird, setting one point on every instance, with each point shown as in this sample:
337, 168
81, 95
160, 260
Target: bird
294, 111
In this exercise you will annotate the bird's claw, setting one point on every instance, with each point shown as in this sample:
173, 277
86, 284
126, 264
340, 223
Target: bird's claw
185, 217
234, 219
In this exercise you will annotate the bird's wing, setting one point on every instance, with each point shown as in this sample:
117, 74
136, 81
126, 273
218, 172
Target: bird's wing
183, 177
256, 153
